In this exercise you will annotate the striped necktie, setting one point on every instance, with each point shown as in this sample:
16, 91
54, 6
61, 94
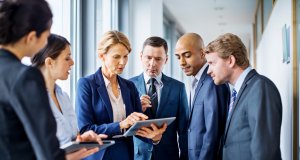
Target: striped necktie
232, 99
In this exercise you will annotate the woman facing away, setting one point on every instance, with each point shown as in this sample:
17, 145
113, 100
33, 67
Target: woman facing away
55, 62
26, 122
27, 125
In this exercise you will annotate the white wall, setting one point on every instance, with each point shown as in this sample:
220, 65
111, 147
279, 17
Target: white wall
269, 63
62, 26
146, 19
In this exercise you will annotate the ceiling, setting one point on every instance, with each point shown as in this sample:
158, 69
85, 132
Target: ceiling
210, 18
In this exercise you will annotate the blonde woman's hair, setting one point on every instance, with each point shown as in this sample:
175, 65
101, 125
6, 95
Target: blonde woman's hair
111, 38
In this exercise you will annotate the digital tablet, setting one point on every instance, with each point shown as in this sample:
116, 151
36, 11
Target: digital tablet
146, 123
75, 146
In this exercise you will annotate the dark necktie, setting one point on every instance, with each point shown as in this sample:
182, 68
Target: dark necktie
153, 96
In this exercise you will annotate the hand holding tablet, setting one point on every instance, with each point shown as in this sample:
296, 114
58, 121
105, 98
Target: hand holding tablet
75, 146
146, 123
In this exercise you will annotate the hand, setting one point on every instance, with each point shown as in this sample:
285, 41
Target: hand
153, 133
131, 119
146, 102
82, 153
90, 136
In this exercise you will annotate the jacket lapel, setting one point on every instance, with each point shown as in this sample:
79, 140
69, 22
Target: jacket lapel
244, 86
102, 91
200, 84
165, 91
141, 86
125, 91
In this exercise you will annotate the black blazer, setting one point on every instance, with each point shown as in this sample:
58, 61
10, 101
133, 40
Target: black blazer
27, 126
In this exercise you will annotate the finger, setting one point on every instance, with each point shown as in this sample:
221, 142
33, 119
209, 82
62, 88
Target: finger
90, 152
147, 130
145, 97
102, 136
146, 102
154, 127
135, 118
141, 115
142, 133
78, 138
163, 129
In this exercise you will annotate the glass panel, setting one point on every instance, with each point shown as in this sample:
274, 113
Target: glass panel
298, 55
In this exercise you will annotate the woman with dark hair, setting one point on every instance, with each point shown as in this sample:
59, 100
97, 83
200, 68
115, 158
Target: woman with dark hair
27, 126
55, 63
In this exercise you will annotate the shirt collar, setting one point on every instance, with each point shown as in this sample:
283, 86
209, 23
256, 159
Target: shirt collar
241, 79
158, 78
107, 82
200, 72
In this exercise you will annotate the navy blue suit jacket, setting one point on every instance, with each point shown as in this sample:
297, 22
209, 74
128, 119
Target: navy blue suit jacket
253, 130
94, 111
173, 103
207, 119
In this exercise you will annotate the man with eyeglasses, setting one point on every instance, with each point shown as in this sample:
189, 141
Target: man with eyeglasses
207, 101
161, 97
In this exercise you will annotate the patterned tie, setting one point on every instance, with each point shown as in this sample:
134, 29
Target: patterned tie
192, 92
153, 96
233, 97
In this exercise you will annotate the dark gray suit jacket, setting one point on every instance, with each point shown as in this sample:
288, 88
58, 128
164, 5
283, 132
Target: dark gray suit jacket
253, 131
207, 119
27, 126
173, 103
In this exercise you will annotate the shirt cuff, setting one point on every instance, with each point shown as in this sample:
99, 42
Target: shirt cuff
155, 143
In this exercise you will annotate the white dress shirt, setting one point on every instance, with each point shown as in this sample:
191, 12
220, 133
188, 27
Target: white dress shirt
117, 103
158, 84
66, 120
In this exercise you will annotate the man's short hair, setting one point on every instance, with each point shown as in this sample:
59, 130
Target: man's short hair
229, 44
156, 42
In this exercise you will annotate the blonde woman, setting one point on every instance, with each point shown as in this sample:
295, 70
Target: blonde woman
107, 103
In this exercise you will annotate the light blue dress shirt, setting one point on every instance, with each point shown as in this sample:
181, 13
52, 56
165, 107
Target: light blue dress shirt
66, 121
239, 82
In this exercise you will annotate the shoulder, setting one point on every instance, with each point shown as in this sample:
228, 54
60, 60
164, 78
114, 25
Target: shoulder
29, 74
259, 82
129, 83
173, 81
136, 79
86, 80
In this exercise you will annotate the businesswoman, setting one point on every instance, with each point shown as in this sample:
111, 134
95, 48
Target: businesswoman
107, 103
55, 62
27, 126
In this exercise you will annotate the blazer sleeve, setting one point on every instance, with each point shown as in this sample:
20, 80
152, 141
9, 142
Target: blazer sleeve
264, 116
86, 113
183, 122
213, 116
31, 103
